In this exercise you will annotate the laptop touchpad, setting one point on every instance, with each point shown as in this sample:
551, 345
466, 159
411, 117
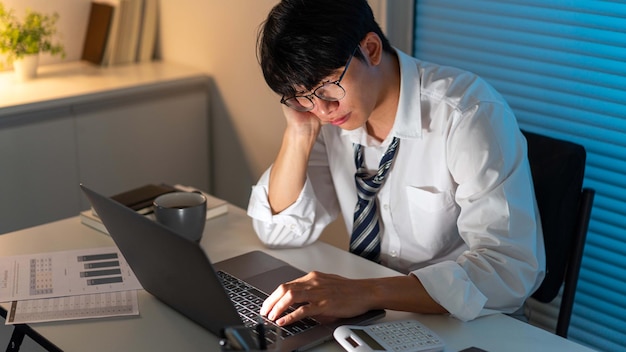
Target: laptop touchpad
268, 281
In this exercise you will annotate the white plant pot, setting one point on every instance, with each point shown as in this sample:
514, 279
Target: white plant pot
26, 67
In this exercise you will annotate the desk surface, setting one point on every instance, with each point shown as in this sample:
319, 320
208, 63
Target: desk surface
159, 328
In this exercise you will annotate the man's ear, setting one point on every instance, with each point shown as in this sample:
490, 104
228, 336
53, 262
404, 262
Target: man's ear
372, 48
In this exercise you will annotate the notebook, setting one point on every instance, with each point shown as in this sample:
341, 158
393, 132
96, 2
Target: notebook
179, 273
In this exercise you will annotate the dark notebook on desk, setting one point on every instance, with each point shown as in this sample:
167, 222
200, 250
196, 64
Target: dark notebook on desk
179, 273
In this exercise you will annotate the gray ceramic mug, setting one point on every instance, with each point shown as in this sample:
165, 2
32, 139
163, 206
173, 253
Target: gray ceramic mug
183, 212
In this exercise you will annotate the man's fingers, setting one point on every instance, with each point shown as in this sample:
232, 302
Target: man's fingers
303, 290
298, 314
281, 299
268, 304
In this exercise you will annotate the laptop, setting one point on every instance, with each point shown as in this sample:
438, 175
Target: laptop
178, 272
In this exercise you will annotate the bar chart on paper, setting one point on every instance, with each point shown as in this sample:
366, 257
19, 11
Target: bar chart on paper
100, 269
65, 273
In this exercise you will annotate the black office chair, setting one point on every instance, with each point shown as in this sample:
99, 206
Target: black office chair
558, 169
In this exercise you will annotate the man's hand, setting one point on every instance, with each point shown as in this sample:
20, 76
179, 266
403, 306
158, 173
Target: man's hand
331, 296
302, 124
320, 294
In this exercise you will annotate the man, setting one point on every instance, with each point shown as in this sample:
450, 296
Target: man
426, 163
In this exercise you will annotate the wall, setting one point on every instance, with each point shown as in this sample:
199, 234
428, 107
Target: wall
219, 37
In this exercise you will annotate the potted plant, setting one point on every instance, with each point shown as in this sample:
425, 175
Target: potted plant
22, 41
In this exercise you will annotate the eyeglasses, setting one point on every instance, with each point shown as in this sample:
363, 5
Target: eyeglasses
329, 91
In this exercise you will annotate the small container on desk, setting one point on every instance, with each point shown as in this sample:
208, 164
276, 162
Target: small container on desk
256, 339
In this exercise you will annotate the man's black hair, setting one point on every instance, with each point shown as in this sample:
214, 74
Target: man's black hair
304, 41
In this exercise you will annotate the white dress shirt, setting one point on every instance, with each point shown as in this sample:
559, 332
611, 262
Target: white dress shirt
457, 208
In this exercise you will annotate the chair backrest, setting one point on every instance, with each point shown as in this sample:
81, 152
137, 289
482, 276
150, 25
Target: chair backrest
558, 169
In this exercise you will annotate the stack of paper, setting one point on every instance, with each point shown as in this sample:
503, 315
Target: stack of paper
88, 283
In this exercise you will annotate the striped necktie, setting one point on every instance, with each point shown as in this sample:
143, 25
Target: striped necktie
365, 239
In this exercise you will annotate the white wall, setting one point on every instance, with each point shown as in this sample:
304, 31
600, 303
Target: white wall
219, 37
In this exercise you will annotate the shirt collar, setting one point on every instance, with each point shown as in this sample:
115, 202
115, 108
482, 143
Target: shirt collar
408, 120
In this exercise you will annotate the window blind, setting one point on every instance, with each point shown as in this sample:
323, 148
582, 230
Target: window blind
561, 65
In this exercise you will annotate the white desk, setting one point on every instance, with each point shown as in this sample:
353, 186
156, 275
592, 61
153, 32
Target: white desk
159, 328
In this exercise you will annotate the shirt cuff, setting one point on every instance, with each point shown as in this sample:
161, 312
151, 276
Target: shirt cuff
448, 284
297, 218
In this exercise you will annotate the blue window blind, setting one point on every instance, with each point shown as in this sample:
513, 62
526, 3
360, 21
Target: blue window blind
561, 65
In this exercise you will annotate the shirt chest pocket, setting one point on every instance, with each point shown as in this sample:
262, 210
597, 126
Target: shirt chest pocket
433, 215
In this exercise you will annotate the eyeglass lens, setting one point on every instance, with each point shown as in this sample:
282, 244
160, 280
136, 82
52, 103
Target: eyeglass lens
329, 91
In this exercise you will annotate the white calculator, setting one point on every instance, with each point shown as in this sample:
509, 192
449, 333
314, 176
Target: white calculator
398, 336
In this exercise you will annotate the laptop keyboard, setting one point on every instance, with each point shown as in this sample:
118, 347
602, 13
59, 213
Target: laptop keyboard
248, 300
